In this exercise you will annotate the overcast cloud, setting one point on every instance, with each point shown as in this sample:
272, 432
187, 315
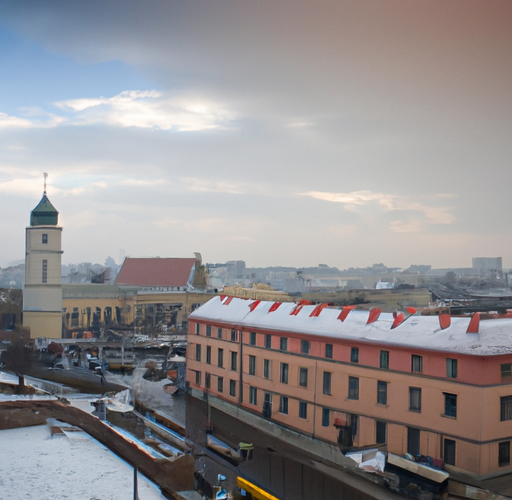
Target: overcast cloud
281, 133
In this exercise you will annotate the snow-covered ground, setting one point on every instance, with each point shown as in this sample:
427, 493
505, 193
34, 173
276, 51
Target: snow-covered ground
35, 465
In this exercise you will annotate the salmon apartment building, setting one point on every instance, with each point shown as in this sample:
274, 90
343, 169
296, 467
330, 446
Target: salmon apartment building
334, 379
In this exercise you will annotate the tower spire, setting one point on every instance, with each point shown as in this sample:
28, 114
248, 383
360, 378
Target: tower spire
45, 175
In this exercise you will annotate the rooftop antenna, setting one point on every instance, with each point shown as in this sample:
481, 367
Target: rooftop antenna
45, 175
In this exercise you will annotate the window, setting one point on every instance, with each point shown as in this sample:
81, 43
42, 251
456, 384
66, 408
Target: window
198, 352
198, 378
233, 335
220, 358
253, 395
384, 359
266, 368
283, 405
327, 383
267, 405
506, 370
207, 380
303, 409
283, 345
303, 377
208, 330
354, 355
348, 432
219, 333
506, 408
450, 405
220, 384
353, 388
416, 363
449, 452
197, 328
208, 355
252, 365
382, 392
328, 350
252, 338
232, 388
451, 368
283, 378
504, 453
45, 239
413, 441
414, 399
326, 417
380, 432
304, 346
234, 360
44, 276
268, 341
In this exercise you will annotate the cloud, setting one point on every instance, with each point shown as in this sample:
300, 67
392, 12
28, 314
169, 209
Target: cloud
355, 201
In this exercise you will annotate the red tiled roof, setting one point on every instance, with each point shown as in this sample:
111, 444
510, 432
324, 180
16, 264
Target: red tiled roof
155, 271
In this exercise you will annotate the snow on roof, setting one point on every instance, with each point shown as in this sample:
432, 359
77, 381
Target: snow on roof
419, 332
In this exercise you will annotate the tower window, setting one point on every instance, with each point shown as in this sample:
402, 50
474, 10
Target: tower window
45, 271
45, 238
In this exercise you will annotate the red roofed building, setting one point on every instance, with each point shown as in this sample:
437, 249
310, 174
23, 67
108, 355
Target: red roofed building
157, 273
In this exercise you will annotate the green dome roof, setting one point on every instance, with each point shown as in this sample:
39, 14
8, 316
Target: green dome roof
44, 214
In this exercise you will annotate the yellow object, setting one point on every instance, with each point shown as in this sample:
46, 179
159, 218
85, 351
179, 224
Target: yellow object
254, 490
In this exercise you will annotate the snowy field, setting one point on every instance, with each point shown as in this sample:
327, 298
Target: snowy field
35, 465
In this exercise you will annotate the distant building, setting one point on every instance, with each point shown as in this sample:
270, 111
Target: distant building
488, 266
42, 296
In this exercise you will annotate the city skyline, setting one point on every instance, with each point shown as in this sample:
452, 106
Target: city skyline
290, 133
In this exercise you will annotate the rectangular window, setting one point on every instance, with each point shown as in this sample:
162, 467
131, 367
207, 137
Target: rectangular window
416, 363
354, 355
328, 350
353, 388
326, 417
303, 377
198, 352
234, 360
303, 409
268, 341
267, 405
252, 365
207, 380
382, 392
266, 368
45, 239
44, 276
283, 345
198, 378
506, 408
208, 355
327, 383
451, 368
504, 453
450, 405
233, 335
506, 370
253, 395
220, 358
219, 333
414, 399
413, 441
449, 452
384, 360
220, 384
208, 330
232, 388
283, 405
304, 346
380, 432
252, 338
283, 378
197, 328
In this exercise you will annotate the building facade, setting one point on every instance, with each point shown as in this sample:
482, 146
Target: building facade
42, 295
436, 386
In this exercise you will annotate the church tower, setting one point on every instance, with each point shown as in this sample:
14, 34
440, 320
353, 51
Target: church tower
42, 296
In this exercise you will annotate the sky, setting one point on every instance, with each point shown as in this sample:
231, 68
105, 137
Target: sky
279, 132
